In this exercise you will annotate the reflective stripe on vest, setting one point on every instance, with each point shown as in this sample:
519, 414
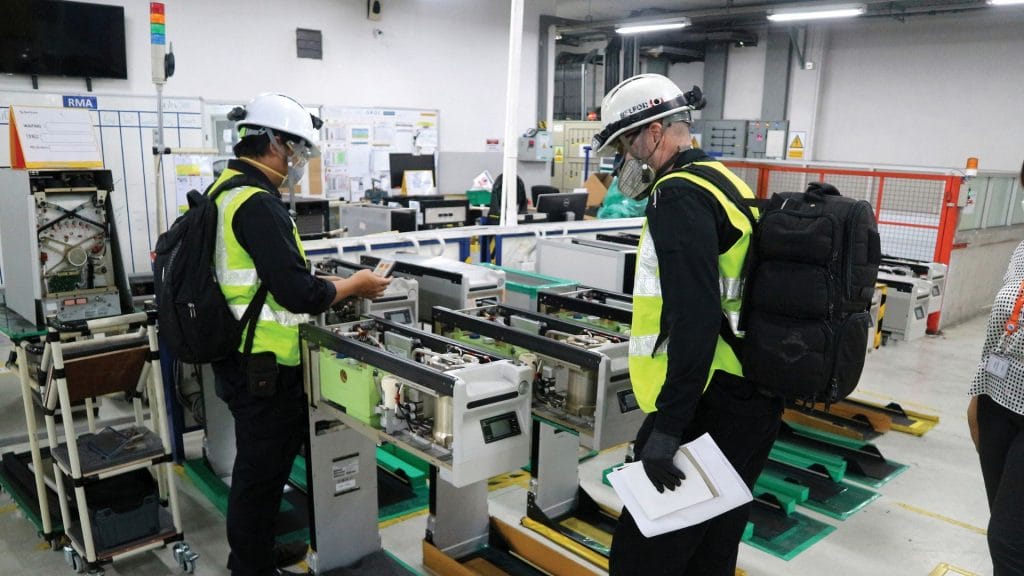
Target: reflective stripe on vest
277, 329
647, 366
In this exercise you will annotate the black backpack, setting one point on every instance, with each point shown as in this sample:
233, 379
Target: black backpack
196, 324
812, 267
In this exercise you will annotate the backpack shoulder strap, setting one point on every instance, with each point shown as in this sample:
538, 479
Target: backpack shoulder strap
728, 188
236, 181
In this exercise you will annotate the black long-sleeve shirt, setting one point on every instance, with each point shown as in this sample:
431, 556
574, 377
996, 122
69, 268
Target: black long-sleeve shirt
264, 228
690, 229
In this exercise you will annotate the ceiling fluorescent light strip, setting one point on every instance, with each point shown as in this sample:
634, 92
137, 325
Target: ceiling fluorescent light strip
652, 26
820, 12
1005, 2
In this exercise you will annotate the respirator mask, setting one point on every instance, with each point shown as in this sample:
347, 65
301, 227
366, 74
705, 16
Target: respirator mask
636, 177
297, 154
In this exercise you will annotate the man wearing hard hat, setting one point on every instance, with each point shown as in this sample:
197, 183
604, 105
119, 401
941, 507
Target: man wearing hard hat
683, 351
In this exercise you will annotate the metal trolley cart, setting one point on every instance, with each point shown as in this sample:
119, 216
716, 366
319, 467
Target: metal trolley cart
116, 355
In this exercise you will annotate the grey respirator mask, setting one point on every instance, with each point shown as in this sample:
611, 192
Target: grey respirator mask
635, 178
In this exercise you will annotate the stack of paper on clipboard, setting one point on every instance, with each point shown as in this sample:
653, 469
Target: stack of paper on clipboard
712, 487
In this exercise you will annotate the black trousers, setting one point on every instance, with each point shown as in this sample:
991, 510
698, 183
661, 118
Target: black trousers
269, 432
744, 423
1001, 450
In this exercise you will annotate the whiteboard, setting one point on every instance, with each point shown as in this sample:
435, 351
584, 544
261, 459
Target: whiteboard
125, 125
355, 144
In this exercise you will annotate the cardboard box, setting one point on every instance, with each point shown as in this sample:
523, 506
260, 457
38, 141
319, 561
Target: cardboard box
597, 188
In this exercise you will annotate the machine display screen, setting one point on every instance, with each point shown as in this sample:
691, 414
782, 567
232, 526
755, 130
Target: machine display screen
398, 316
627, 401
919, 313
500, 427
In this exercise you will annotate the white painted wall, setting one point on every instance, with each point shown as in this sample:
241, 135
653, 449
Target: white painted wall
744, 82
446, 54
932, 91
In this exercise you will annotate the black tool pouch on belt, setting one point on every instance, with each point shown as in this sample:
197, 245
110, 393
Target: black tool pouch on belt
260, 369
261, 374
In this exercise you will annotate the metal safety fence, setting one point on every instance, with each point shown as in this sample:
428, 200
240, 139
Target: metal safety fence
916, 211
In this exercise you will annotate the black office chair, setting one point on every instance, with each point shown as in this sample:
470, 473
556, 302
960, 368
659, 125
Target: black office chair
536, 191
494, 213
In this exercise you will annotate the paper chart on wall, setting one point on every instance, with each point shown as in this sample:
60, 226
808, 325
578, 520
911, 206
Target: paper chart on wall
190, 173
358, 141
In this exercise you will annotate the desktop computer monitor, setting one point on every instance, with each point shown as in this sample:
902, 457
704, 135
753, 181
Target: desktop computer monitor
401, 162
557, 206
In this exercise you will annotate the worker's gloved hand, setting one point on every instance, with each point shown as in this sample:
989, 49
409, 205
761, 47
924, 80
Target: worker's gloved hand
657, 459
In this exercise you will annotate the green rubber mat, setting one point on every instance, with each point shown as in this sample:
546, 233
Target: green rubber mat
864, 461
837, 500
13, 480
395, 499
875, 482
783, 536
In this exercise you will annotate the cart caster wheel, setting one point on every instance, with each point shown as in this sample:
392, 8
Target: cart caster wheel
185, 557
74, 560
96, 571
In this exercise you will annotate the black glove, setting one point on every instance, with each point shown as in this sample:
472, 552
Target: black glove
657, 458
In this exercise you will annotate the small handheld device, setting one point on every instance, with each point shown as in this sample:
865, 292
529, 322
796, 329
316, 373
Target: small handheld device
384, 267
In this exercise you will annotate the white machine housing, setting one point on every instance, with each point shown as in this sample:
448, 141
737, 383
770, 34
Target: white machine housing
906, 305
446, 282
935, 272
596, 263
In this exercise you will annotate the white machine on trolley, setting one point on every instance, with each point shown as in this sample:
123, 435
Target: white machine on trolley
908, 300
934, 272
582, 396
465, 412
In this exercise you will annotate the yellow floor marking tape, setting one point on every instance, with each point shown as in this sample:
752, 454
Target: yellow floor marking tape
592, 532
945, 519
8, 508
900, 402
947, 570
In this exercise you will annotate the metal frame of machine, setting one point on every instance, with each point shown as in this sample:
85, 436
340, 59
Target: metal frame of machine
463, 411
582, 395
594, 307
446, 282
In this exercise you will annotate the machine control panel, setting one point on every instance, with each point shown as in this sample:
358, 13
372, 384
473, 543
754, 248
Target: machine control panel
500, 427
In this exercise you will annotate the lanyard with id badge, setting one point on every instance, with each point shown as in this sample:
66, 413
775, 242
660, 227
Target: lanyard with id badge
998, 363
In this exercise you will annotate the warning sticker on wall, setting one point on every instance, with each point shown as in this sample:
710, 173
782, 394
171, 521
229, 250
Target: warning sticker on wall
796, 145
559, 154
345, 473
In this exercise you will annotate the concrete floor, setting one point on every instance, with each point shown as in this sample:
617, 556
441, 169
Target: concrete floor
933, 513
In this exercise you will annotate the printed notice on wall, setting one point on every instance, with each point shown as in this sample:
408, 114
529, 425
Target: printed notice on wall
53, 138
345, 473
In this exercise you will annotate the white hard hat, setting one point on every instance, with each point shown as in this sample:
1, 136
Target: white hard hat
641, 100
281, 114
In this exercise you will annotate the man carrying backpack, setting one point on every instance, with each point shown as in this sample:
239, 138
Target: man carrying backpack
686, 302
258, 256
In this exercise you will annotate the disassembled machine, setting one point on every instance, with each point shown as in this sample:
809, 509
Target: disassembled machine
60, 248
582, 396
464, 411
